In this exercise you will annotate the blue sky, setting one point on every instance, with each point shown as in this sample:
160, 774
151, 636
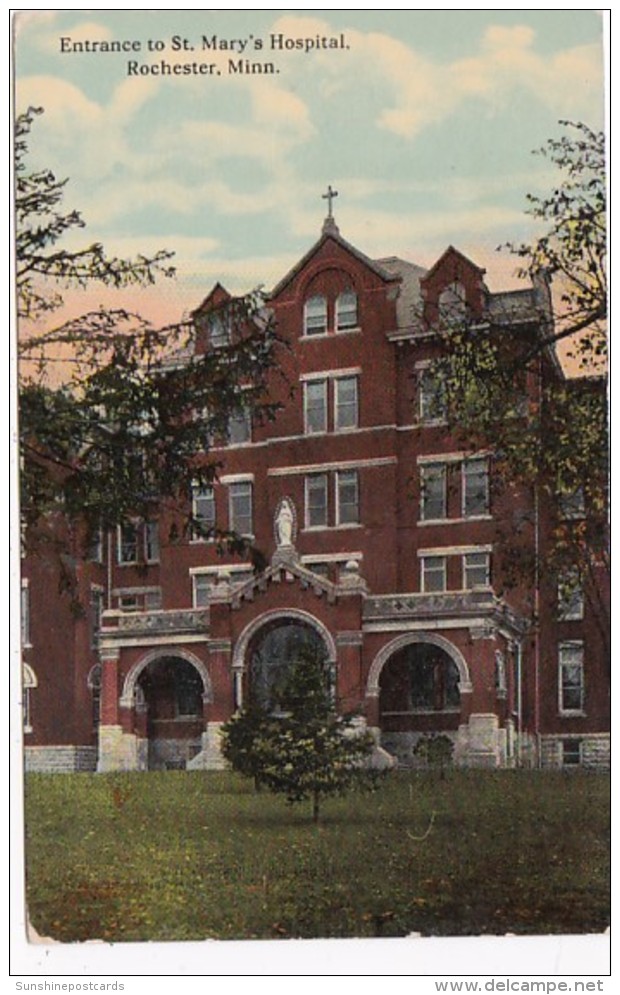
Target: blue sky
425, 125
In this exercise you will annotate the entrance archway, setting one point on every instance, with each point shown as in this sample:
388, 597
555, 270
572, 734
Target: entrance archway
169, 697
419, 680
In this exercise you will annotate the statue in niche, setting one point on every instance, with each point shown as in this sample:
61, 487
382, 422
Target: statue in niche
285, 521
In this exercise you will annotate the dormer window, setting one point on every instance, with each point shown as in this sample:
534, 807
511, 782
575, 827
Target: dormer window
453, 301
219, 330
315, 315
346, 310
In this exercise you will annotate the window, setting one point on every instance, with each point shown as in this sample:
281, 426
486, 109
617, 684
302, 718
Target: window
453, 301
571, 504
570, 596
316, 500
570, 752
201, 586
95, 551
315, 406
475, 488
346, 310
433, 573
433, 491
219, 329
29, 681
151, 542
127, 543
96, 611
152, 600
25, 613
240, 508
93, 682
476, 570
345, 403
240, 427
129, 603
347, 497
203, 511
571, 678
431, 397
315, 315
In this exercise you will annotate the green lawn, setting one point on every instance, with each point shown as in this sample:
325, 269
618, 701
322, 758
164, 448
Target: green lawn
193, 855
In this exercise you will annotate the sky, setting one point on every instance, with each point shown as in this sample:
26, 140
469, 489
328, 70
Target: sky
425, 122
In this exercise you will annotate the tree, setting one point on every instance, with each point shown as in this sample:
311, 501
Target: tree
503, 388
300, 746
117, 418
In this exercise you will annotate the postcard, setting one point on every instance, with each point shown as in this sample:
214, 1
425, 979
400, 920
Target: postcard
314, 583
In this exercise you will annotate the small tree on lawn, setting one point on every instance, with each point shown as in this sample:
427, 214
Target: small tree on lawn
301, 747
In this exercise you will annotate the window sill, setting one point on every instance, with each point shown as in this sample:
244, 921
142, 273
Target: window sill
577, 713
333, 528
452, 710
455, 521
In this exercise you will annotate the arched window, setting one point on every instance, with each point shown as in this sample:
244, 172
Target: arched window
273, 650
29, 681
94, 684
315, 315
346, 310
453, 301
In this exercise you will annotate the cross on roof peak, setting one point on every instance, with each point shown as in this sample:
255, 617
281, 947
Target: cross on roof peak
329, 196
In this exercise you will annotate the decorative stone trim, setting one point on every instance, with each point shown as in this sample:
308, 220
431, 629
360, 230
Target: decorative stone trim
353, 638
284, 615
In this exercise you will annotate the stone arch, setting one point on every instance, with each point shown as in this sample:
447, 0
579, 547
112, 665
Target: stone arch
411, 638
129, 685
284, 615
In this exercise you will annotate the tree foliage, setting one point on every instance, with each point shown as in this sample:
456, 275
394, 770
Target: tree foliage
300, 747
572, 251
117, 418
504, 391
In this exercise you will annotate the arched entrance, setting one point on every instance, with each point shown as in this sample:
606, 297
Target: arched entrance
169, 696
418, 680
270, 644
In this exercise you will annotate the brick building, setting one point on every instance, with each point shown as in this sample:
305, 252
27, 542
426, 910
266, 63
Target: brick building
382, 540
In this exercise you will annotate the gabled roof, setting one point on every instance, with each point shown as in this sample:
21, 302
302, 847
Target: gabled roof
331, 233
278, 572
218, 293
451, 251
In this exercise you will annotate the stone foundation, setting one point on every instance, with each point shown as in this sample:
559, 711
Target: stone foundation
595, 751
60, 759
171, 754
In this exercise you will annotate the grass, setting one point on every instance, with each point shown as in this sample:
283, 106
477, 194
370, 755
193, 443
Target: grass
196, 855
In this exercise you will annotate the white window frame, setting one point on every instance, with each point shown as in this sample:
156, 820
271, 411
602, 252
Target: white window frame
342, 310
29, 681
201, 582
307, 386
310, 331
121, 559
203, 492
242, 417
308, 481
234, 494
565, 648
338, 404
570, 604
151, 541
439, 567
25, 614
440, 469
340, 482
427, 396
465, 476
566, 741
486, 565
219, 326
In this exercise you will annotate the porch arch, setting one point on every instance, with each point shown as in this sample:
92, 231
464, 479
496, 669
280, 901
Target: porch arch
129, 685
409, 639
